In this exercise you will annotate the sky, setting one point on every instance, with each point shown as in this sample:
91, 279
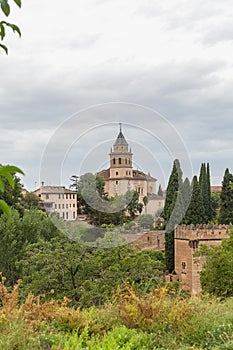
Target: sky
162, 68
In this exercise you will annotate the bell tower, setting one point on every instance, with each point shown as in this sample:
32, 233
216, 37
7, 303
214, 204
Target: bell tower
121, 158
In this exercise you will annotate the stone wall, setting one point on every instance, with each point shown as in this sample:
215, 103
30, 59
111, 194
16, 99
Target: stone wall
188, 240
151, 240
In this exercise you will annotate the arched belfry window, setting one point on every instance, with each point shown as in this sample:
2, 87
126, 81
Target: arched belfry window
119, 160
114, 161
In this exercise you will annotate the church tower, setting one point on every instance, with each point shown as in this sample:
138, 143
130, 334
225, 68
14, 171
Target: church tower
121, 158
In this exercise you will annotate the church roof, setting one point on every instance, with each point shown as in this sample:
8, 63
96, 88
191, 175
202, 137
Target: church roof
120, 139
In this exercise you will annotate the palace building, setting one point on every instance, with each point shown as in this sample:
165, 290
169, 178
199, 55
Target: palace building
121, 177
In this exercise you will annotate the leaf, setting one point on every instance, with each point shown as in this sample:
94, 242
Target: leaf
2, 31
18, 2
1, 186
14, 27
5, 7
4, 48
12, 169
5, 208
9, 178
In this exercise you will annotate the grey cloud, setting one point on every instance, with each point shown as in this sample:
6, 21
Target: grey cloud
189, 95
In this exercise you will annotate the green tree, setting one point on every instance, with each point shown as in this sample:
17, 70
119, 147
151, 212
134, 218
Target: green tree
204, 184
172, 210
146, 220
174, 185
195, 212
217, 273
31, 201
215, 205
133, 206
88, 276
95, 203
16, 233
226, 199
186, 194
5, 7
160, 191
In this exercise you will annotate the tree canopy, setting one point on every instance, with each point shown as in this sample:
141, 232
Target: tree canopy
217, 273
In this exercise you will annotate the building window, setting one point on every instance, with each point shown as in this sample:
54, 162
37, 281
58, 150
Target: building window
66, 206
116, 172
55, 206
116, 182
67, 215
183, 267
59, 206
47, 196
73, 214
59, 196
158, 242
125, 160
63, 215
63, 206
119, 160
114, 161
73, 205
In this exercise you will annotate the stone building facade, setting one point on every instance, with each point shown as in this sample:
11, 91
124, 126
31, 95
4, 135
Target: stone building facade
58, 199
121, 177
187, 240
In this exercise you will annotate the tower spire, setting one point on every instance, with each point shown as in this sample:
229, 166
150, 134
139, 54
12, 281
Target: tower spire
120, 124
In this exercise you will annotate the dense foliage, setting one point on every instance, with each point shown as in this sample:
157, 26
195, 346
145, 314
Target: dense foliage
226, 199
162, 319
217, 274
87, 275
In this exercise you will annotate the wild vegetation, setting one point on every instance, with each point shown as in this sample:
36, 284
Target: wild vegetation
161, 319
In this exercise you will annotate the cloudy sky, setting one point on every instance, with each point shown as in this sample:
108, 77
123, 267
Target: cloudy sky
162, 68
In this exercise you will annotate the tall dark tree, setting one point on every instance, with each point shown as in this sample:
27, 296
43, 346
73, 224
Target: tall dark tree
210, 212
174, 184
226, 199
204, 184
160, 191
195, 212
171, 212
186, 194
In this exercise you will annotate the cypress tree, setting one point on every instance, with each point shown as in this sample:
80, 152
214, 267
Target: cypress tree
210, 211
186, 196
172, 209
160, 191
226, 199
174, 184
195, 212
204, 184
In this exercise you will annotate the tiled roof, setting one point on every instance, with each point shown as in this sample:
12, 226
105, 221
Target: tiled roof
55, 189
120, 140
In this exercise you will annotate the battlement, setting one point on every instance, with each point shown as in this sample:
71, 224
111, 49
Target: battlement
202, 232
